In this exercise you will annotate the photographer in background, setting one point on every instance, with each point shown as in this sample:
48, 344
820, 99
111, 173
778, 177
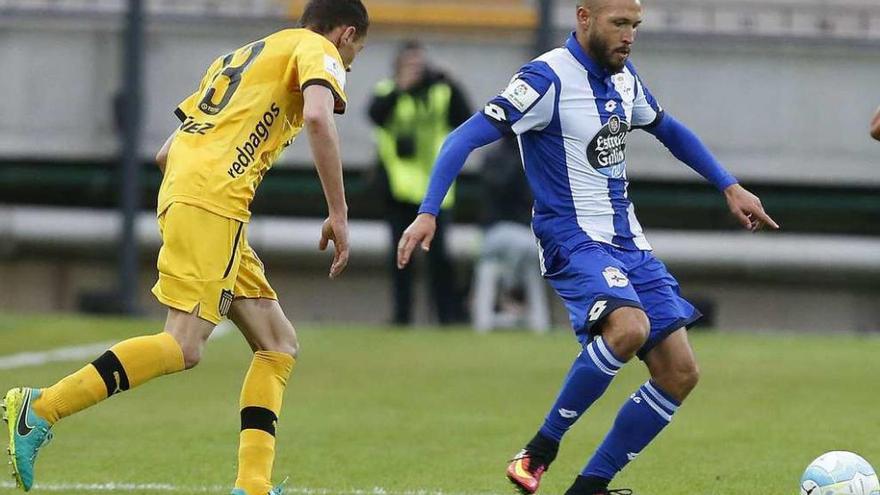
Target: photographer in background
413, 113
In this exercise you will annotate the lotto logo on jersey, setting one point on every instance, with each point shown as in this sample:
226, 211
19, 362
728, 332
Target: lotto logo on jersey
607, 151
520, 95
496, 112
614, 277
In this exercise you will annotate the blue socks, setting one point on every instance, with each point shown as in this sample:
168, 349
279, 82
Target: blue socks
586, 381
639, 421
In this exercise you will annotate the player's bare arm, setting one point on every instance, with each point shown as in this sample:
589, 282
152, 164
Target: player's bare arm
875, 125
747, 209
162, 155
324, 141
419, 233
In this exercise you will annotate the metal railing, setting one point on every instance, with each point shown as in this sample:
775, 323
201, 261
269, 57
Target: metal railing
76, 232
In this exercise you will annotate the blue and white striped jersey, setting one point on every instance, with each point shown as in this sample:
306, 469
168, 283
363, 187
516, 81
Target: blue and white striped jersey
572, 118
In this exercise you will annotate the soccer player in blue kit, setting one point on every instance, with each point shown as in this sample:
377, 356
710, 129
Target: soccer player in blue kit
571, 110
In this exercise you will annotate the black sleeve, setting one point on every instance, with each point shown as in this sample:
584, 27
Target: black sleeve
459, 107
382, 107
338, 102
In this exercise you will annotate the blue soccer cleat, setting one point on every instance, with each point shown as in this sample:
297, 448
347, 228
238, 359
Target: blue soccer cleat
27, 433
278, 490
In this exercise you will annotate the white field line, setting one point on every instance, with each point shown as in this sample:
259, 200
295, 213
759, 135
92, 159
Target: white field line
165, 488
72, 353
76, 352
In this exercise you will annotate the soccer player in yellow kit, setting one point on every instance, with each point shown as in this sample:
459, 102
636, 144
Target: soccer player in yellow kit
250, 105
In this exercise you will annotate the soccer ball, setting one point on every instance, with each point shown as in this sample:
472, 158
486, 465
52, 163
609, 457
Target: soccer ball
840, 473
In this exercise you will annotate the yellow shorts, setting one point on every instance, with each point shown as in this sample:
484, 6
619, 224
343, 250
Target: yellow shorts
205, 262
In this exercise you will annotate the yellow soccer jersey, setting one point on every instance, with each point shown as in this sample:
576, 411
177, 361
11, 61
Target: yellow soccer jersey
248, 108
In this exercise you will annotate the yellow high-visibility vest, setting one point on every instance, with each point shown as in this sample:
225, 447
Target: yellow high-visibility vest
426, 122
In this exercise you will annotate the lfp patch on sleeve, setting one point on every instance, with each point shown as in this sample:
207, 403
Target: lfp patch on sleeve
335, 69
520, 95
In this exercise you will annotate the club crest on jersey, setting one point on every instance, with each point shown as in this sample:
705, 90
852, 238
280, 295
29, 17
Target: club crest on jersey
614, 277
607, 151
614, 124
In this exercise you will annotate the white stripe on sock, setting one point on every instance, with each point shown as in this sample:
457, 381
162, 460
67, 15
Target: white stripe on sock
670, 407
660, 412
603, 348
598, 362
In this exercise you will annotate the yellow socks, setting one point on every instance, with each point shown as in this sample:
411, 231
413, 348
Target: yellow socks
126, 365
135, 361
261, 397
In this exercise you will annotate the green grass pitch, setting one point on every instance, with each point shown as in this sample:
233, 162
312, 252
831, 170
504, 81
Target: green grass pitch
379, 411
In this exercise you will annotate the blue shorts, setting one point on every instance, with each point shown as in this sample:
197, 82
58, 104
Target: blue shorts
594, 279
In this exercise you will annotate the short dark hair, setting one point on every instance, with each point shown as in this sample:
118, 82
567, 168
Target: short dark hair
325, 15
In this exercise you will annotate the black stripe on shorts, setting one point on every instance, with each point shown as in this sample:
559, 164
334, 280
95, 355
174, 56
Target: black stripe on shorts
234, 249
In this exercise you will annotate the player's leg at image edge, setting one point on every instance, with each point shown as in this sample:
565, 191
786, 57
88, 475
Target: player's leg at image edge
31, 413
